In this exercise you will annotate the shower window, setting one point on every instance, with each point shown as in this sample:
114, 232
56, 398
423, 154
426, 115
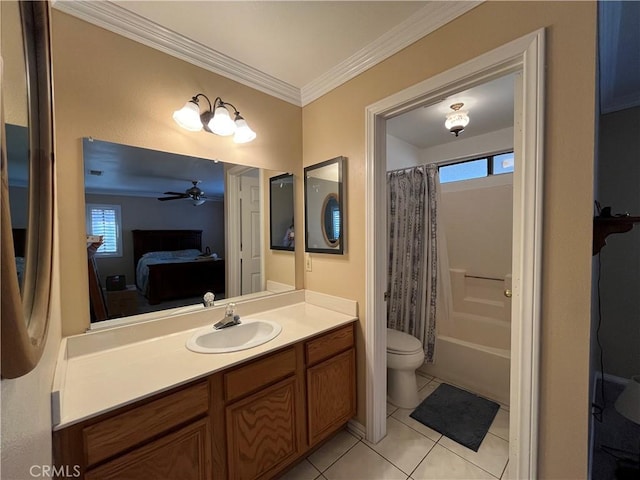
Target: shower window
502, 163
477, 168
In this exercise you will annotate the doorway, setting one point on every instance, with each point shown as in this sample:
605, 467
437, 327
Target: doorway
245, 231
525, 58
472, 202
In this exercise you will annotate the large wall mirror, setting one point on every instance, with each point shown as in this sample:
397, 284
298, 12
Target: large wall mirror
173, 227
281, 226
324, 207
27, 188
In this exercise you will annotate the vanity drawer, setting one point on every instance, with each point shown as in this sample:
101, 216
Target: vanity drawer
329, 344
116, 434
258, 374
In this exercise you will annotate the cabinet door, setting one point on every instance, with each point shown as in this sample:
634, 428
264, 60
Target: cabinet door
261, 431
331, 397
184, 454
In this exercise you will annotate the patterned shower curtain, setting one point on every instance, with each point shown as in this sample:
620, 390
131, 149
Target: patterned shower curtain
412, 208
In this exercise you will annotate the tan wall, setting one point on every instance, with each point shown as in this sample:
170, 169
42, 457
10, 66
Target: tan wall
568, 163
117, 90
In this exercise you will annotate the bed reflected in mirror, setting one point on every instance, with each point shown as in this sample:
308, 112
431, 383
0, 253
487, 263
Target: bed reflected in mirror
167, 226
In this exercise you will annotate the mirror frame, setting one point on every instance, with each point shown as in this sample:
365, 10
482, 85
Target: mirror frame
25, 318
272, 181
340, 161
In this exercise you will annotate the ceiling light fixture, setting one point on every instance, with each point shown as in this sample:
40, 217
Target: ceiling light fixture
216, 119
457, 120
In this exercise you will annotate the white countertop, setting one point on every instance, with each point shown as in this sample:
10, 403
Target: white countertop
92, 383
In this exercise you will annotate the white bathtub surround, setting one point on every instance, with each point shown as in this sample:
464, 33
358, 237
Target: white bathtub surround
473, 343
481, 295
483, 370
103, 370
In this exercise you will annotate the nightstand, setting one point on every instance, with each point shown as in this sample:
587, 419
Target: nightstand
122, 302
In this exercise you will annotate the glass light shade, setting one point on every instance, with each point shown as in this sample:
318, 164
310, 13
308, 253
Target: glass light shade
221, 123
198, 202
188, 117
457, 119
628, 403
243, 134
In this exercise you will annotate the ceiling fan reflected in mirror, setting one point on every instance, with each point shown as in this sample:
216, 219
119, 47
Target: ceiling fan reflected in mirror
194, 193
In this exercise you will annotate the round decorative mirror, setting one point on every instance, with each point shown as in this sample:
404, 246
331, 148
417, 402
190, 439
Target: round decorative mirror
27, 136
331, 220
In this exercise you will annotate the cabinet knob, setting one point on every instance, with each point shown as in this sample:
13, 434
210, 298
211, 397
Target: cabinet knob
508, 293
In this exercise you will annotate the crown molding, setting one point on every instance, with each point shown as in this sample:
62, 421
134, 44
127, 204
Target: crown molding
116, 19
426, 20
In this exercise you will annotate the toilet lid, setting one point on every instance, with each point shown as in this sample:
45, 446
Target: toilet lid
400, 342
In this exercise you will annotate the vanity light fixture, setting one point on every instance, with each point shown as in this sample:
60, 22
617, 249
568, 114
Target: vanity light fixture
457, 120
216, 119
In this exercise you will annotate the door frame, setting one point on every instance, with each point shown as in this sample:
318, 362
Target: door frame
232, 225
525, 56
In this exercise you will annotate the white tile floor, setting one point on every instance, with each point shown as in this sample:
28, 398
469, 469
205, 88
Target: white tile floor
410, 451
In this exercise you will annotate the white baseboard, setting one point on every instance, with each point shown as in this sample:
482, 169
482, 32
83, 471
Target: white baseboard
356, 428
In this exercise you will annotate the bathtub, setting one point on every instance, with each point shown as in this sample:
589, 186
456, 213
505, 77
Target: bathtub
472, 347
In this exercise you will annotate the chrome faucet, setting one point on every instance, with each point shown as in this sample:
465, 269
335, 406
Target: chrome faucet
230, 318
207, 299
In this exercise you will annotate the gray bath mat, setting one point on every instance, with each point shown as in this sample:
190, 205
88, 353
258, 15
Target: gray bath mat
462, 416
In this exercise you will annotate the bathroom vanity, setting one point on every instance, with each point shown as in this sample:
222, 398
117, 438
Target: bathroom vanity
252, 415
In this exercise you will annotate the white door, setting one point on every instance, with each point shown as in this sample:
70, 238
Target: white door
250, 257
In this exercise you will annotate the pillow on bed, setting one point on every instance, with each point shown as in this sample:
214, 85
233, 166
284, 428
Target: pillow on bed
192, 252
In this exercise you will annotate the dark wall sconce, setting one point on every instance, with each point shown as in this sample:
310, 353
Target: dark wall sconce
214, 120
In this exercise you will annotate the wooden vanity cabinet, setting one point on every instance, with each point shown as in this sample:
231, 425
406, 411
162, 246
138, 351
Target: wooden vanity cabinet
183, 454
166, 437
251, 421
264, 414
331, 383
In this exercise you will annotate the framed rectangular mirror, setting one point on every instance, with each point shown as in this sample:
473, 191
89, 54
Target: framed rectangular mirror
324, 207
173, 226
281, 228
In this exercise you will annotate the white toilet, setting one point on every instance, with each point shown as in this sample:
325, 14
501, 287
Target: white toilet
404, 356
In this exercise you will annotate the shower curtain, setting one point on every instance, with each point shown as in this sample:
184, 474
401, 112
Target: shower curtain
415, 246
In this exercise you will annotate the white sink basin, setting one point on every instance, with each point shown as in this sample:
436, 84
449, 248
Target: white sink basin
250, 333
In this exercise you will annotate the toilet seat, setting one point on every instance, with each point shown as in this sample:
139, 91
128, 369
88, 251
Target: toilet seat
400, 343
